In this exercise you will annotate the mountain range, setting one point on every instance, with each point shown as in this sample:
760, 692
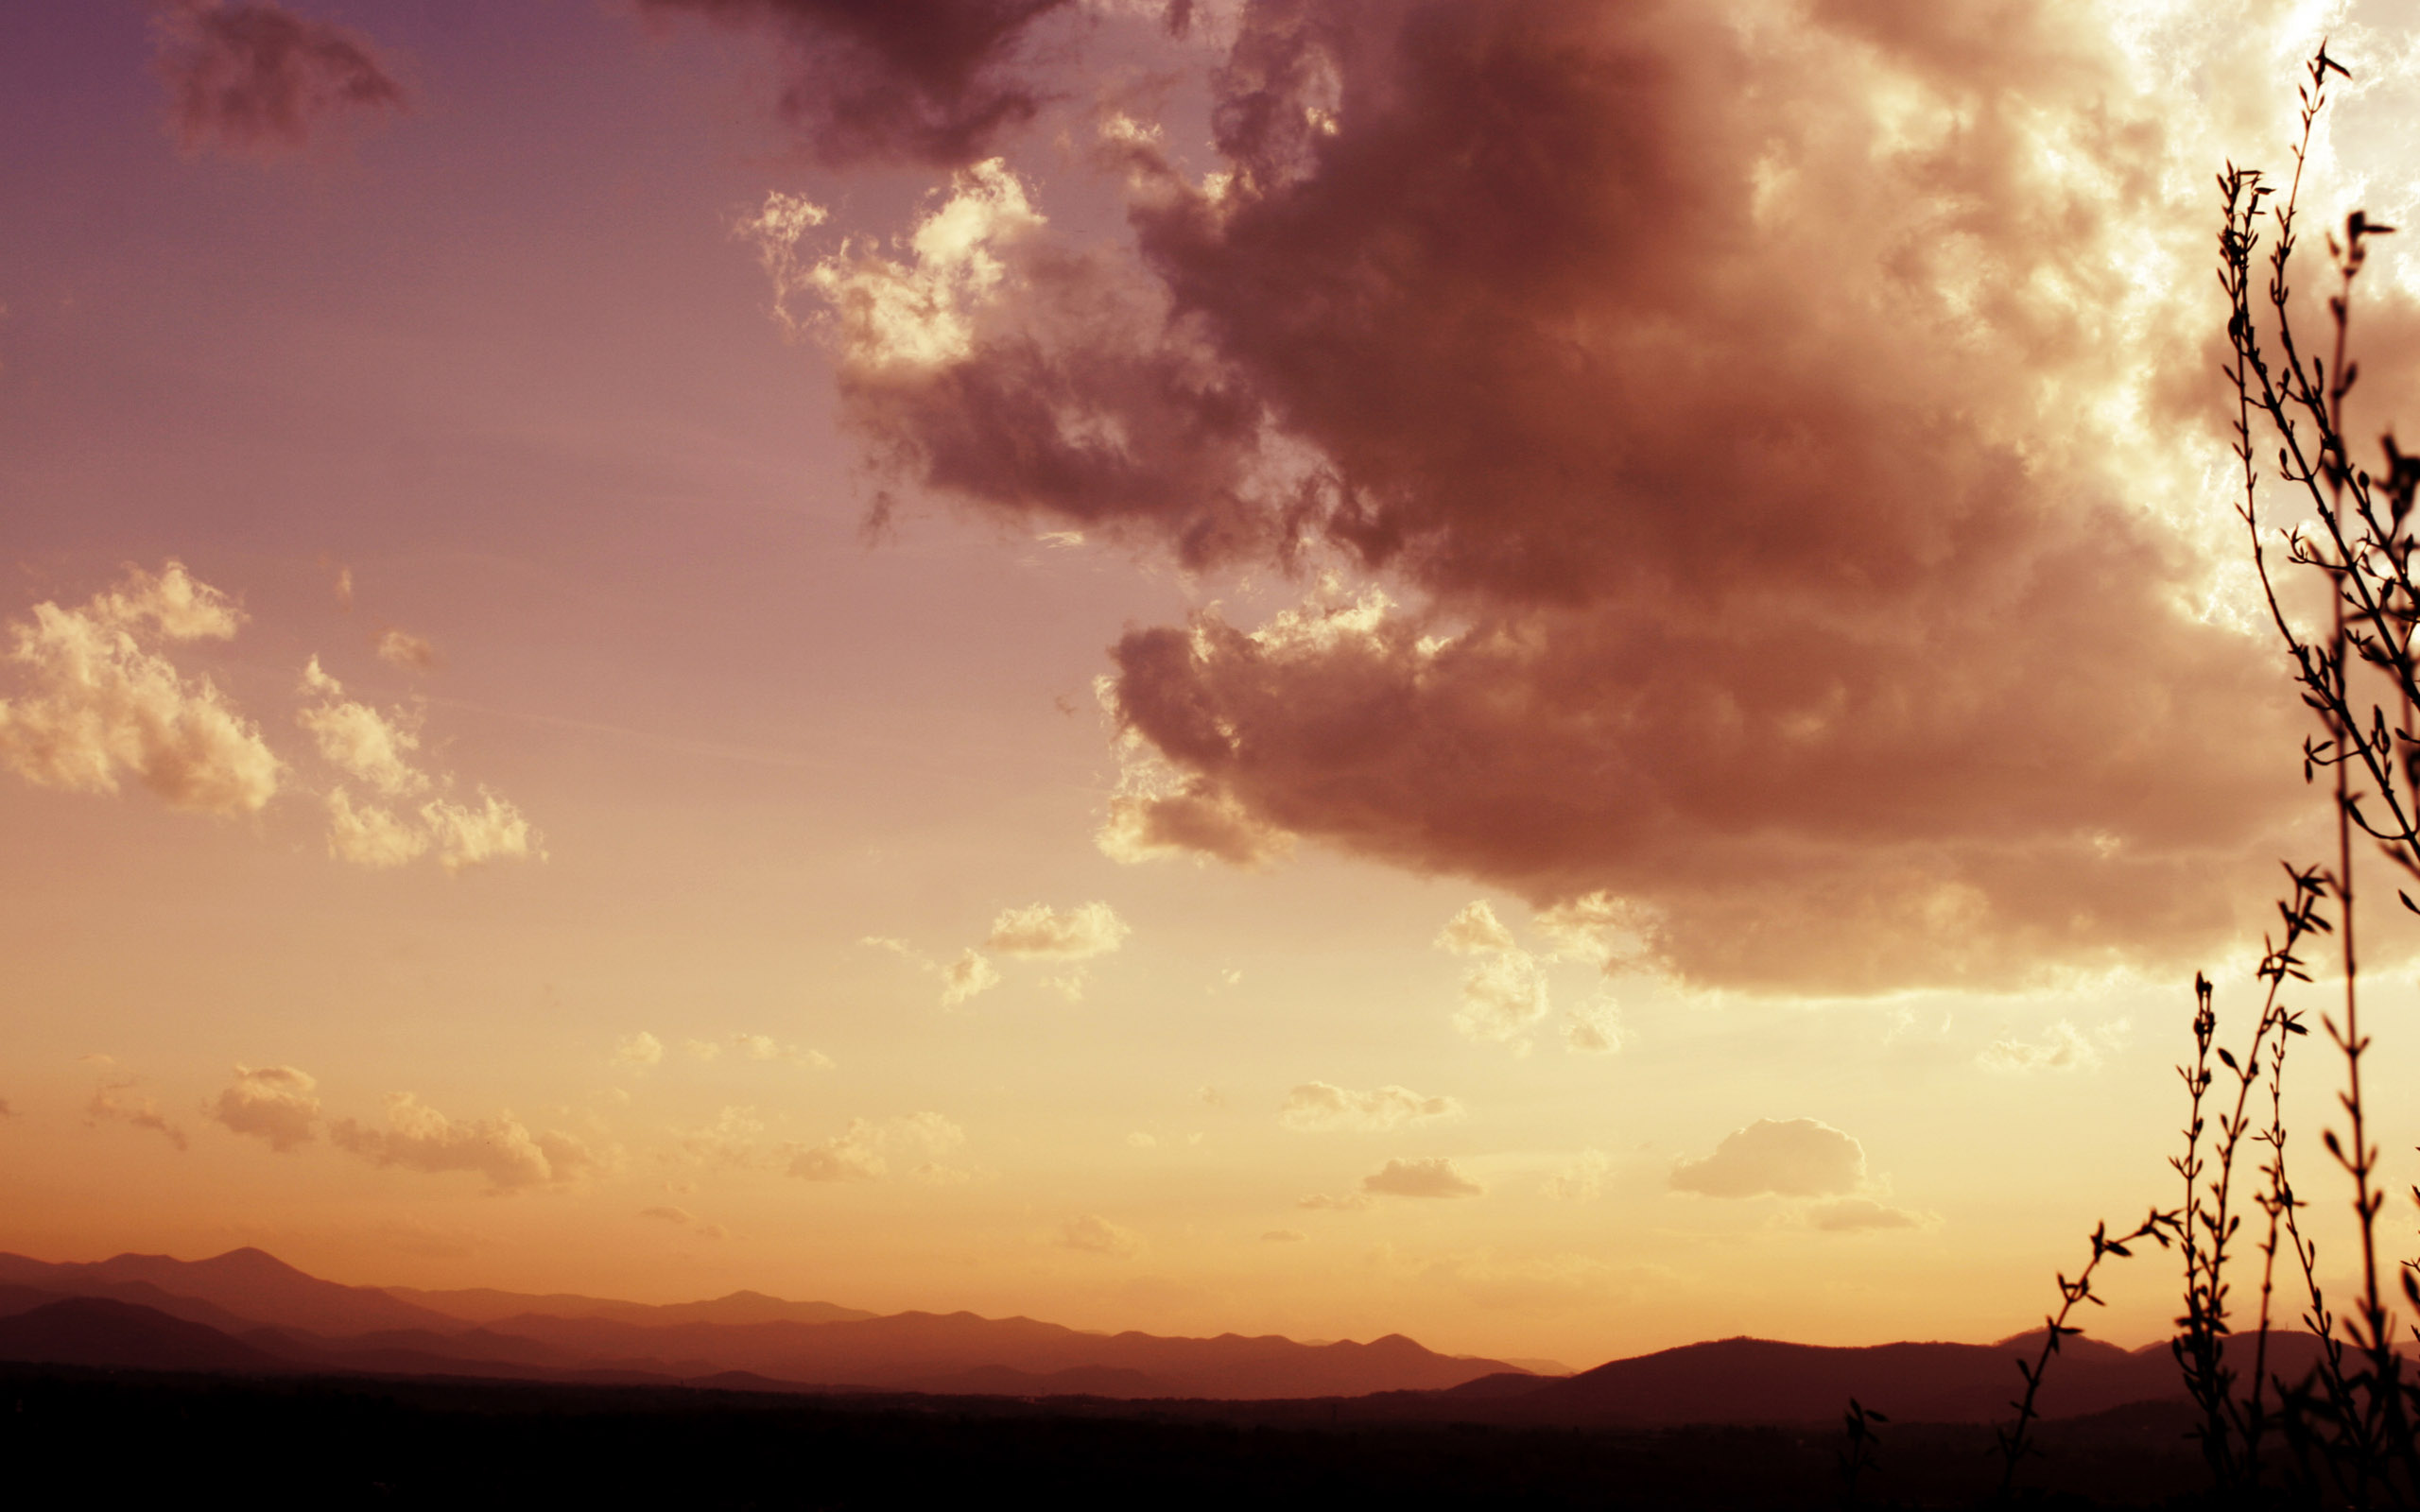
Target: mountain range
247, 1311
284, 1319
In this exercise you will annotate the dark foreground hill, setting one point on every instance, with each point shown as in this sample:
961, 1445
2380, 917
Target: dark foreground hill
132, 1437
100, 1332
1761, 1381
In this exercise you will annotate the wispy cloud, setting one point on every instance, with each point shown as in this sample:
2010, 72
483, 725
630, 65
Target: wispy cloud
1582, 1180
116, 1100
862, 1152
2059, 1047
1316, 1107
1429, 1176
1093, 1234
1348, 1202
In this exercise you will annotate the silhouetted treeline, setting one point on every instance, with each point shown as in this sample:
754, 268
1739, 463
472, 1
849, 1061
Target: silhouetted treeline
422, 1442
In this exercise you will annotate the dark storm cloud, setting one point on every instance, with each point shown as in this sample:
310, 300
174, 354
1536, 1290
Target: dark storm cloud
1730, 397
252, 78
923, 80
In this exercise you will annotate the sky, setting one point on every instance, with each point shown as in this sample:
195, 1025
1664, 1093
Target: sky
1558, 677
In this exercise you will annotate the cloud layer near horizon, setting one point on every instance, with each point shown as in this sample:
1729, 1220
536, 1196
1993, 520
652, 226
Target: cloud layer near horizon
1736, 406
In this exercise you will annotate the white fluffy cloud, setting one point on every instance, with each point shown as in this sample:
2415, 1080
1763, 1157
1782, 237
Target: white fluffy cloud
641, 1049
468, 837
1789, 1158
274, 1103
2062, 1047
853, 1156
1605, 931
730, 1140
1042, 932
359, 740
103, 703
174, 604
1504, 994
419, 1138
1856, 1214
1349, 1202
894, 318
1039, 931
1432, 1177
1593, 1030
863, 1152
765, 1047
398, 649
1316, 1107
1582, 1180
370, 835
1096, 1235
378, 749
961, 979
965, 977
1475, 931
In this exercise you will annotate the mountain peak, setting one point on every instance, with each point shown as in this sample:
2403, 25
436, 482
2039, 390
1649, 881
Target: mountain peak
254, 1261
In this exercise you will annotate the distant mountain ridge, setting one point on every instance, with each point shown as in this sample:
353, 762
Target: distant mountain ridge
297, 1320
485, 1305
247, 1311
1746, 1380
249, 1283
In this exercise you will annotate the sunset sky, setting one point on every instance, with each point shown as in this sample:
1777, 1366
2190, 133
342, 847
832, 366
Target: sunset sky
1558, 677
